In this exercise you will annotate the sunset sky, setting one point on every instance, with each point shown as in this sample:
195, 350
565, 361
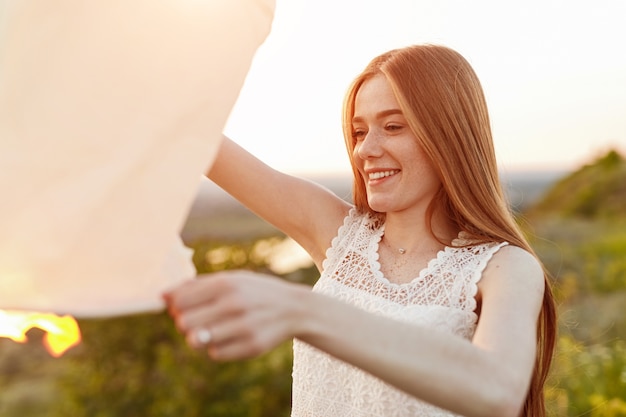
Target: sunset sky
554, 73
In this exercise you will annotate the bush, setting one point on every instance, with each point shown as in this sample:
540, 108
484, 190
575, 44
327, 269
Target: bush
588, 380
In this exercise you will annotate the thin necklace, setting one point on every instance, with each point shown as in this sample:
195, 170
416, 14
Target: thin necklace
400, 250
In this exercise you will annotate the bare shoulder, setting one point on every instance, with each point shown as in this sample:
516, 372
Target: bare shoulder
513, 269
516, 256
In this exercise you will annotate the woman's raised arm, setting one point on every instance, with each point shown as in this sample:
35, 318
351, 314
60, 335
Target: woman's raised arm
305, 211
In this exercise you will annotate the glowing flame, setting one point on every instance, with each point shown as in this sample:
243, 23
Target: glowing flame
62, 332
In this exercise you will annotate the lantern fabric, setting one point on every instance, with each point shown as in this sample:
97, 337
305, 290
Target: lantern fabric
110, 112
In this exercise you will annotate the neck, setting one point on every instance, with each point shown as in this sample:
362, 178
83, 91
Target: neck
410, 235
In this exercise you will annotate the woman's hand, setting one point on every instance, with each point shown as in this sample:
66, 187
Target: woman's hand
236, 314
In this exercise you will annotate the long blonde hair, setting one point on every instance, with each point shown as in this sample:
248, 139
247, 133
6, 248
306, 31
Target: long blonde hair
444, 105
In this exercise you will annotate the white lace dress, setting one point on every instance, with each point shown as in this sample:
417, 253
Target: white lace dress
441, 297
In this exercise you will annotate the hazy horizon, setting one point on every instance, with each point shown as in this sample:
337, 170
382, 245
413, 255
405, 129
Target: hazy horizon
214, 213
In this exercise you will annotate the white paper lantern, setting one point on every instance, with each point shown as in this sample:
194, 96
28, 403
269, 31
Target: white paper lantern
110, 112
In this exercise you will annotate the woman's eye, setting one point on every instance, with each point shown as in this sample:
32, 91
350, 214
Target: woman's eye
358, 134
393, 127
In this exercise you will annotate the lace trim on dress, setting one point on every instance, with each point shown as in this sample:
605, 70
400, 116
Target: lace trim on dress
450, 279
478, 272
351, 224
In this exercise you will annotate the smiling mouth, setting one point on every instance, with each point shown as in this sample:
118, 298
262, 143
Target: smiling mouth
382, 174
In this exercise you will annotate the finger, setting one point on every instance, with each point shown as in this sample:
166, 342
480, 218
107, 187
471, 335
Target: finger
209, 313
193, 318
236, 349
200, 338
243, 338
192, 293
205, 337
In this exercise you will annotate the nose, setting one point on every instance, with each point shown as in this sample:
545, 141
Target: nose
370, 146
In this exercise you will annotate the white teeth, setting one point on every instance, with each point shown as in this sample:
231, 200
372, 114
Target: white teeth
382, 174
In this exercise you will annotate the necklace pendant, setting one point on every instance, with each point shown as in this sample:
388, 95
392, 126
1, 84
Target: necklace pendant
402, 251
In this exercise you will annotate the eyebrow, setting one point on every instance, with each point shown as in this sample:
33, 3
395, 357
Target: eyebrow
380, 115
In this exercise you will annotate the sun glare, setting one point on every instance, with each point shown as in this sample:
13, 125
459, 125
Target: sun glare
62, 332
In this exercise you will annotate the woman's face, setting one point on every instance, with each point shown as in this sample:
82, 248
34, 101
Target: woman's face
397, 174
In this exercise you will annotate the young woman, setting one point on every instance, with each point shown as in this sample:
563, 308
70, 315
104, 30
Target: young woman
430, 301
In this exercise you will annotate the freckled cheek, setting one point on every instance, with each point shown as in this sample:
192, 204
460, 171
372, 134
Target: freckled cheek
428, 177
